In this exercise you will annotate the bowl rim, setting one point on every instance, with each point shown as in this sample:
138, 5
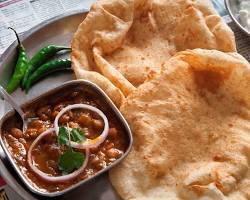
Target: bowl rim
228, 7
106, 99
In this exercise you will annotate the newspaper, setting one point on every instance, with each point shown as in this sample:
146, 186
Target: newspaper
22, 15
25, 14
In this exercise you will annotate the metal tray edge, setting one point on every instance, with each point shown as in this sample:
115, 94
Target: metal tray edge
227, 4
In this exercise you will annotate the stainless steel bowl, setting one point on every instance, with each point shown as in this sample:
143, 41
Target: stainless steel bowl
72, 86
233, 9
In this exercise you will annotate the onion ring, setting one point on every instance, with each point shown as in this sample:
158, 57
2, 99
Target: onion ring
47, 177
87, 143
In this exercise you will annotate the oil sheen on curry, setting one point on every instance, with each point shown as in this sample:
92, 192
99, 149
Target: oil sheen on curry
69, 138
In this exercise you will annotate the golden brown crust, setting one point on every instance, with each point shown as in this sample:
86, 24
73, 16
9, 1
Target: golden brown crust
113, 92
191, 127
129, 40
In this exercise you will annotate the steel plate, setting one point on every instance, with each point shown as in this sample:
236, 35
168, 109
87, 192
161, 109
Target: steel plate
233, 9
58, 30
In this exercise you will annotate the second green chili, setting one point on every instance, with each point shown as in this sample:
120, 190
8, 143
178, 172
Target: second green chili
45, 69
40, 58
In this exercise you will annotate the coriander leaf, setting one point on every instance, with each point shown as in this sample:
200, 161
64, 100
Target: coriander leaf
70, 160
63, 136
77, 135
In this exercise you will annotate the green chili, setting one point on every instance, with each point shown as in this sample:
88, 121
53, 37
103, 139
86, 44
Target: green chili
21, 66
40, 58
45, 69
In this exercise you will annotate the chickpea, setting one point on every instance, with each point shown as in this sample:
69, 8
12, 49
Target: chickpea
101, 156
53, 151
54, 114
37, 150
44, 113
109, 145
37, 124
85, 174
87, 133
58, 107
70, 113
51, 170
85, 120
17, 147
26, 136
64, 119
44, 117
103, 149
51, 163
113, 153
31, 132
41, 130
112, 132
98, 124
23, 141
78, 99
16, 132
96, 163
103, 146
73, 125
94, 160
106, 142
